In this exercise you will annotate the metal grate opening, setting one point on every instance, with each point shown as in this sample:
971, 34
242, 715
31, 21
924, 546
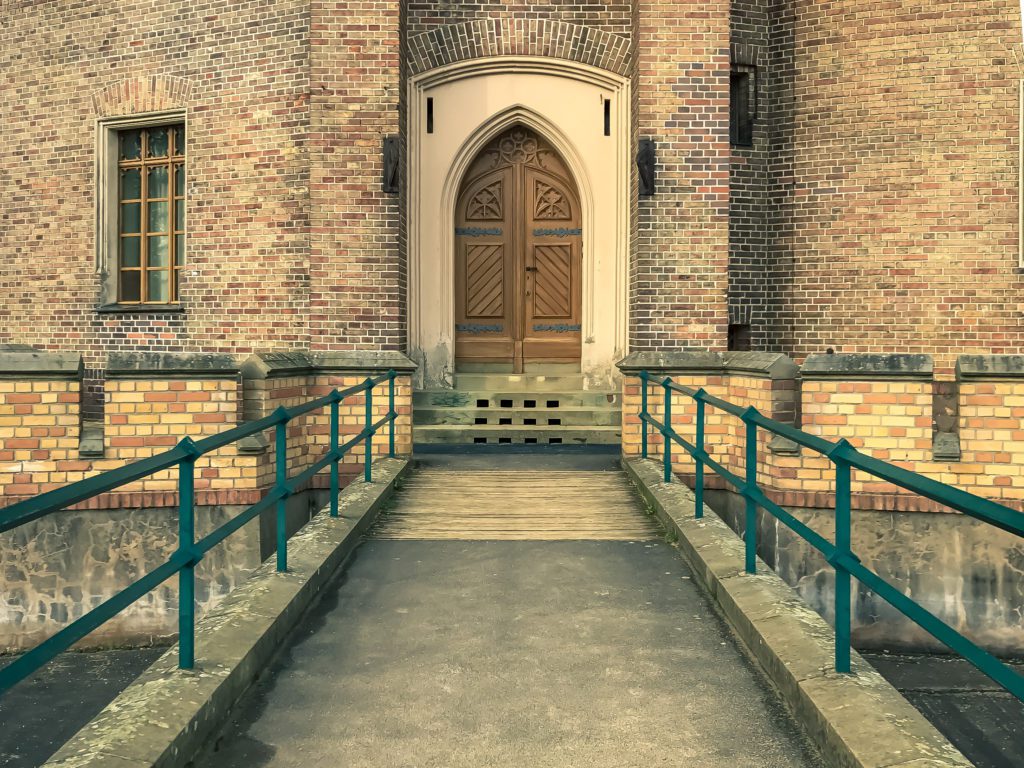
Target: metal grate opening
504, 439
552, 403
530, 440
554, 440
529, 403
504, 421
554, 422
506, 403
482, 403
479, 439
530, 422
480, 420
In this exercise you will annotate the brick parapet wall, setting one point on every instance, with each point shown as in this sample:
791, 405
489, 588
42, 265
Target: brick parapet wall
156, 401
883, 416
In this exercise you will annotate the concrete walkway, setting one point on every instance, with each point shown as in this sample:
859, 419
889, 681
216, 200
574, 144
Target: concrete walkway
518, 653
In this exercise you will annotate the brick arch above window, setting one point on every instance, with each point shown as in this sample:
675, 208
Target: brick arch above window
141, 95
483, 38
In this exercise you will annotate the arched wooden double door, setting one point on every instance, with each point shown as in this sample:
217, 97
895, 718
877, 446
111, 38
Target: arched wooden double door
518, 256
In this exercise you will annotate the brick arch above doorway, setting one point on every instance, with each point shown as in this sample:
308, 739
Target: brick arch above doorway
482, 38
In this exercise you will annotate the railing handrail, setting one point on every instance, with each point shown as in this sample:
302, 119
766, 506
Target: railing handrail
839, 554
190, 552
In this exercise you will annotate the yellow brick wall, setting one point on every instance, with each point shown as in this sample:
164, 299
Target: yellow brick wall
39, 430
889, 420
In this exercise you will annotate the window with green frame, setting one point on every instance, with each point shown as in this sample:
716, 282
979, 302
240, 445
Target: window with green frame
151, 213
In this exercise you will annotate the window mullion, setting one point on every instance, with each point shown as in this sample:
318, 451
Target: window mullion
144, 224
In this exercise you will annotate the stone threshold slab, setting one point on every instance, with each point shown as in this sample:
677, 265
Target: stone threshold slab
164, 717
857, 720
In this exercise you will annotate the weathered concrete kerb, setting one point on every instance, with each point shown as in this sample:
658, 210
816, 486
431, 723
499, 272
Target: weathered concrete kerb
162, 719
858, 720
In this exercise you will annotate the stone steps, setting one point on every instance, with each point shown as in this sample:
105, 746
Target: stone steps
509, 398
519, 382
541, 407
472, 434
562, 416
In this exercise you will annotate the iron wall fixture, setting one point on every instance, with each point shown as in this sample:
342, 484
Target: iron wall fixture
646, 164
389, 182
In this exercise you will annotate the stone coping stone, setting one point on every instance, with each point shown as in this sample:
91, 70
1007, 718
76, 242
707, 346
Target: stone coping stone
21, 361
989, 367
164, 718
857, 720
769, 365
268, 365
867, 366
164, 365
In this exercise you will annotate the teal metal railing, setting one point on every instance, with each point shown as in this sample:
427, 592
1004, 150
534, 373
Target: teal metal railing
838, 554
190, 552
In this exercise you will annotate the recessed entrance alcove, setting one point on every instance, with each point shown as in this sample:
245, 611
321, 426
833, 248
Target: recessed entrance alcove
560, 296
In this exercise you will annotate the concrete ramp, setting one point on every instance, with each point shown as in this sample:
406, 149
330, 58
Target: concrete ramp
523, 505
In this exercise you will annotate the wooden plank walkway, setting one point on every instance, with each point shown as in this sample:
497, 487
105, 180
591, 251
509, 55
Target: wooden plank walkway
525, 505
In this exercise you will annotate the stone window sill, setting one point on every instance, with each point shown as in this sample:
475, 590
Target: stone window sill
141, 309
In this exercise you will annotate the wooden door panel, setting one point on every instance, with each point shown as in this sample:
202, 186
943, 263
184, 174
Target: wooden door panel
552, 282
485, 281
518, 255
553, 328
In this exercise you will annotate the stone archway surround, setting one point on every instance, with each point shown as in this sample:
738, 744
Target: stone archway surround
473, 101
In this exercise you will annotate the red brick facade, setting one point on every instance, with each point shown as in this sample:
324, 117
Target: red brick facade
876, 210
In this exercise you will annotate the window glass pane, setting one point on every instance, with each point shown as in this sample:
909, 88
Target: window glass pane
157, 253
157, 217
179, 180
179, 215
130, 217
131, 145
179, 249
179, 140
130, 285
157, 142
131, 184
157, 182
130, 251
158, 285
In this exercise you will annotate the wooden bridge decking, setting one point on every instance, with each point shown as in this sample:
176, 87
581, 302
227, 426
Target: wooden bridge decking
517, 505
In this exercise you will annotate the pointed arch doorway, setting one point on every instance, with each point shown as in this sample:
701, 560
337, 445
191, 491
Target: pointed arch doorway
518, 257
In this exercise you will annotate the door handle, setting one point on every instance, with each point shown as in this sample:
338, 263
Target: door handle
531, 269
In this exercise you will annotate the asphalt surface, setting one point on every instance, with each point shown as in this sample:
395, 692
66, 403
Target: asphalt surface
984, 721
42, 712
512, 654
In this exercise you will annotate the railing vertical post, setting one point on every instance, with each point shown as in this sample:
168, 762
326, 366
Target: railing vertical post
391, 413
698, 486
187, 575
335, 427
281, 466
667, 422
842, 589
368, 463
750, 523
643, 414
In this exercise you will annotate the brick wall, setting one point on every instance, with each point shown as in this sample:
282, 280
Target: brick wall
150, 410
358, 277
894, 190
750, 263
39, 423
679, 268
887, 417
63, 66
